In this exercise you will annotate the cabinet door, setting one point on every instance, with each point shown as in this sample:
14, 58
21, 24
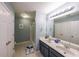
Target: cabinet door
51, 54
44, 49
41, 48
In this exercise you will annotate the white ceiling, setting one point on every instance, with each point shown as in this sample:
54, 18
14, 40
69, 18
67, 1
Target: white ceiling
45, 7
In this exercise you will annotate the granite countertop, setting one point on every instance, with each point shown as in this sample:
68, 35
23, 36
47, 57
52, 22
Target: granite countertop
59, 47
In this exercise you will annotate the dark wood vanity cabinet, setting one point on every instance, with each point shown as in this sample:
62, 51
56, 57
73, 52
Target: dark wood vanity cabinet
47, 51
44, 49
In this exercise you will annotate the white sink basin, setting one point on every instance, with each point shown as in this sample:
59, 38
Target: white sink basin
66, 50
76, 52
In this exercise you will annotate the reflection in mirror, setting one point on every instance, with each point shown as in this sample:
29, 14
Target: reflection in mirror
67, 28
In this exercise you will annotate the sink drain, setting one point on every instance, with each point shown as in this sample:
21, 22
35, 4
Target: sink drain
64, 52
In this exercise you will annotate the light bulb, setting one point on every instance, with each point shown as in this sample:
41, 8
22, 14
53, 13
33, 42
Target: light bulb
24, 15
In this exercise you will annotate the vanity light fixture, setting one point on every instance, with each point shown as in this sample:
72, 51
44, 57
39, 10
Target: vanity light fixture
64, 11
24, 15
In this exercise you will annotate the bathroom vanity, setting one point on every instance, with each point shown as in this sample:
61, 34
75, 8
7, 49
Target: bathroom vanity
47, 51
52, 49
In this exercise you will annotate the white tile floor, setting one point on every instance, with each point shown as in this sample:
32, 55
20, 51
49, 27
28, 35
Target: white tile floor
20, 52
